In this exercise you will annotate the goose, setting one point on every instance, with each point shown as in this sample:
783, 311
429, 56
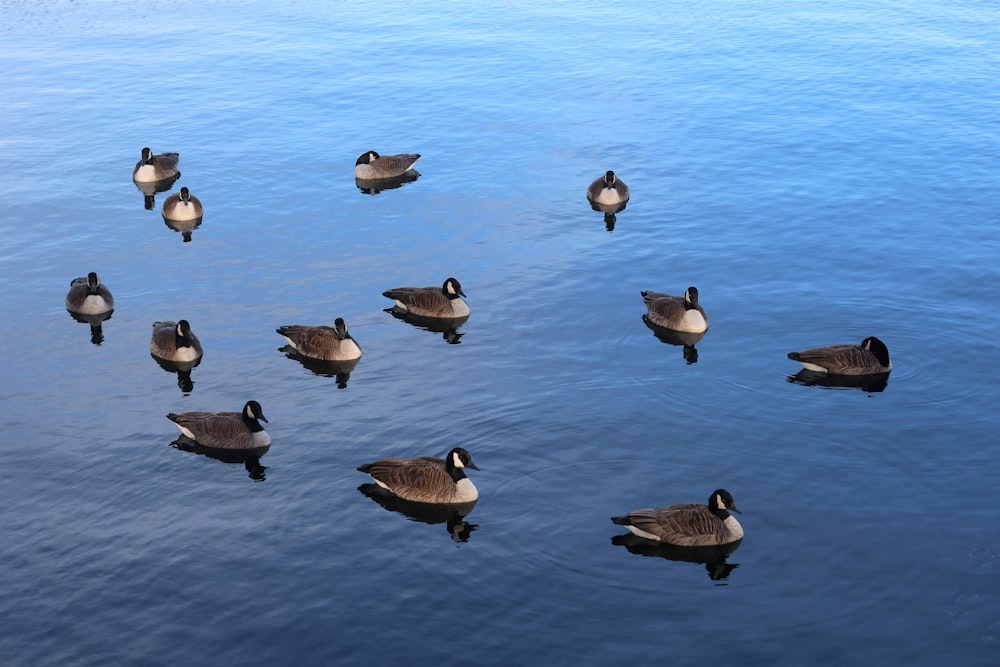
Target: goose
225, 430
608, 190
89, 296
869, 358
435, 302
174, 341
153, 168
427, 479
322, 342
688, 525
676, 313
182, 206
371, 165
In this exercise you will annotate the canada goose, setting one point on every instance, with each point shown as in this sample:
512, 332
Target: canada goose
89, 296
174, 341
869, 358
371, 165
322, 342
676, 313
225, 430
427, 479
688, 525
155, 167
436, 302
608, 190
182, 206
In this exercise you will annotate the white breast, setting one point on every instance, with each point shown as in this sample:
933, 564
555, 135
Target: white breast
465, 491
693, 322
459, 307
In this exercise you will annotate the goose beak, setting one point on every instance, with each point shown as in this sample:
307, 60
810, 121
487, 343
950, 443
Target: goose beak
263, 419
471, 464
733, 508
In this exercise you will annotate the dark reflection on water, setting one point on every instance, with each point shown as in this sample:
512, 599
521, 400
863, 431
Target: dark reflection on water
431, 513
341, 370
96, 324
713, 558
448, 328
182, 369
151, 189
377, 185
683, 339
872, 384
250, 458
610, 213
185, 227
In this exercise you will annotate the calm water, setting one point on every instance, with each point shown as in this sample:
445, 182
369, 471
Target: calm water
821, 171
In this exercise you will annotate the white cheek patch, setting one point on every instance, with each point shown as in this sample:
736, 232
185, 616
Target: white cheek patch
719, 503
457, 460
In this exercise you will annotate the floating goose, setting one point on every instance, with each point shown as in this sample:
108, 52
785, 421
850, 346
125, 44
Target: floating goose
688, 525
676, 313
871, 357
608, 190
427, 479
225, 430
89, 296
436, 302
371, 165
322, 342
182, 206
174, 341
153, 168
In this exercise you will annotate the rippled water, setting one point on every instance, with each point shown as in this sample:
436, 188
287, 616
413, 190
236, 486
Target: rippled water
821, 171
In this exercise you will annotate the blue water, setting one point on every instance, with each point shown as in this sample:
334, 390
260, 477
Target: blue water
820, 171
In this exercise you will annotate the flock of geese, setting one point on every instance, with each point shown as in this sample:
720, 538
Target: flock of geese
430, 481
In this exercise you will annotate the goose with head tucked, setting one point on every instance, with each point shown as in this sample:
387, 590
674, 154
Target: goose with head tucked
152, 168
427, 479
183, 206
174, 341
609, 190
674, 312
89, 296
225, 430
689, 524
871, 357
372, 166
322, 342
443, 302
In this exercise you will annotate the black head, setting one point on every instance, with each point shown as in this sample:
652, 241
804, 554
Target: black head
609, 179
183, 328
878, 348
147, 153
341, 327
691, 297
367, 158
452, 288
722, 501
185, 194
253, 412
459, 458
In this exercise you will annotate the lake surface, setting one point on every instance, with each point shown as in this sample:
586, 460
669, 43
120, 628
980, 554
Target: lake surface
821, 171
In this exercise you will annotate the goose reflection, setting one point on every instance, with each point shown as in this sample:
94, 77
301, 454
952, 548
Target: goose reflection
182, 369
340, 370
377, 185
250, 458
185, 227
683, 339
152, 188
713, 558
431, 513
95, 322
871, 384
609, 212
448, 328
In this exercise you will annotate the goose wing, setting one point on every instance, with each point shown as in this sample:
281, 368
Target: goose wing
427, 299
220, 430
314, 341
839, 359
421, 480
683, 525
387, 166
